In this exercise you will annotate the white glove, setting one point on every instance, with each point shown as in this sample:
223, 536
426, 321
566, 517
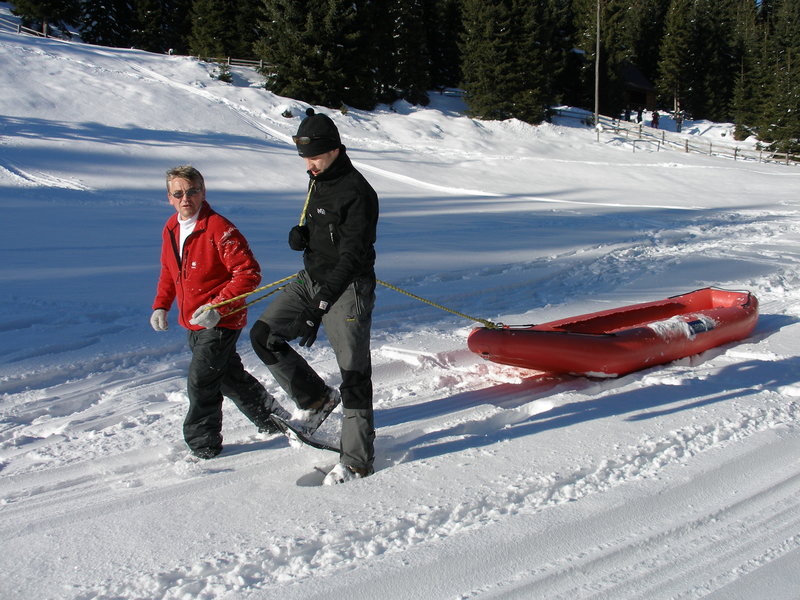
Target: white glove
205, 317
158, 320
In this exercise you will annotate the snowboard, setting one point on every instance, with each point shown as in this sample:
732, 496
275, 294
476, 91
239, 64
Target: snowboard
309, 440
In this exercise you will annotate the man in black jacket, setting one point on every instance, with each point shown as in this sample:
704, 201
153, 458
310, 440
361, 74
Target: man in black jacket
336, 289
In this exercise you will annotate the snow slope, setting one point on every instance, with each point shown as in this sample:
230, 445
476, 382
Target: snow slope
680, 481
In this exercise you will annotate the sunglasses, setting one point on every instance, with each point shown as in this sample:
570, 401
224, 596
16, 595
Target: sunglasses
188, 193
304, 140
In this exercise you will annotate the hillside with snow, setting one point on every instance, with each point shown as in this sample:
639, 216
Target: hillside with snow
678, 481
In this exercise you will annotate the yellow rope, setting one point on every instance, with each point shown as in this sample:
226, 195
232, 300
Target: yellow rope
484, 322
267, 295
305, 206
240, 296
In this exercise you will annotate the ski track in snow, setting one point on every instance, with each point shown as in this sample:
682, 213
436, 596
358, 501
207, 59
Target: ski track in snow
739, 535
18, 176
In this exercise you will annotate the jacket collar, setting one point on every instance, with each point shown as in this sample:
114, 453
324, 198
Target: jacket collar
340, 166
202, 218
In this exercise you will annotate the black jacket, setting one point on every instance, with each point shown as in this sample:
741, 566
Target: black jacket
342, 219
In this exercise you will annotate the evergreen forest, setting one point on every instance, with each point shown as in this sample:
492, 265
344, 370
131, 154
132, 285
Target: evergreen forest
723, 60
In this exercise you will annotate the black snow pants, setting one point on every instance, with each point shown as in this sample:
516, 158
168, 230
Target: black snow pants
216, 370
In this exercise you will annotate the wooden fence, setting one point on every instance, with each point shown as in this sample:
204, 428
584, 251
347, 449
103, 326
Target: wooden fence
9, 25
641, 136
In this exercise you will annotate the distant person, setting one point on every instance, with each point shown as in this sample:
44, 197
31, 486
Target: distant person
639, 115
679, 121
654, 121
205, 260
336, 289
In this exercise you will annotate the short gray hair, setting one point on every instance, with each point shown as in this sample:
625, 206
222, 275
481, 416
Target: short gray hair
186, 172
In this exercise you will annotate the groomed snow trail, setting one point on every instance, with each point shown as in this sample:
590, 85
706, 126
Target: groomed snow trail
89, 450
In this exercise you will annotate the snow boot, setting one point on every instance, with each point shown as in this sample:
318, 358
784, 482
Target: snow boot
207, 453
342, 473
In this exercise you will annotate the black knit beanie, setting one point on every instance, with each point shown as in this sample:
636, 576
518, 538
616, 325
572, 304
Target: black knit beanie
316, 135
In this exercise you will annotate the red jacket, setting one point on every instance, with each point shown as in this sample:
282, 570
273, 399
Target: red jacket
216, 265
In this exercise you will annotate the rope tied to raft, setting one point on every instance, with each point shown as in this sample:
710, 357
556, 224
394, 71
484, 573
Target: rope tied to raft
255, 291
486, 323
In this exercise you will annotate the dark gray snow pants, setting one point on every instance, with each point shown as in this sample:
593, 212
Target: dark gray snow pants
347, 325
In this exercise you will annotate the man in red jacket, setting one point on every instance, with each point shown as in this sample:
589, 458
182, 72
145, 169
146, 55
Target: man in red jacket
205, 260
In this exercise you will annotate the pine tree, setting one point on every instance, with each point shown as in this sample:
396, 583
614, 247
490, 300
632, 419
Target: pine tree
316, 51
585, 40
148, 30
107, 22
246, 26
535, 60
714, 42
746, 98
766, 10
618, 49
213, 28
282, 46
676, 63
176, 25
514, 55
381, 36
360, 43
224, 28
163, 25
409, 50
781, 121
488, 59
342, 56
48, 15
555, 34
444, 28
620, 39
339, 76
646, 18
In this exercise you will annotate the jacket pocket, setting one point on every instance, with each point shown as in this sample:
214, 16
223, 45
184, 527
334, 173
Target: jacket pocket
363, 290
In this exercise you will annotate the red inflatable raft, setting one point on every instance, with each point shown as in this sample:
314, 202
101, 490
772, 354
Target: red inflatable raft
614, 342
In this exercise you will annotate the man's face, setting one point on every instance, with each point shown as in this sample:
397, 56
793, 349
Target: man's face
191, 197
317, 164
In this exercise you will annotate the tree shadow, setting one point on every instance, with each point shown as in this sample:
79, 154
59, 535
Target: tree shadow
87, 131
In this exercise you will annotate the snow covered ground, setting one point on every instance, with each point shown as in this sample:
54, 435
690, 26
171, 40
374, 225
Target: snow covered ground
680, 481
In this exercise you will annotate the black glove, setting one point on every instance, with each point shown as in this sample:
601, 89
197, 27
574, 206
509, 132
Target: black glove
307, 323
298, 237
